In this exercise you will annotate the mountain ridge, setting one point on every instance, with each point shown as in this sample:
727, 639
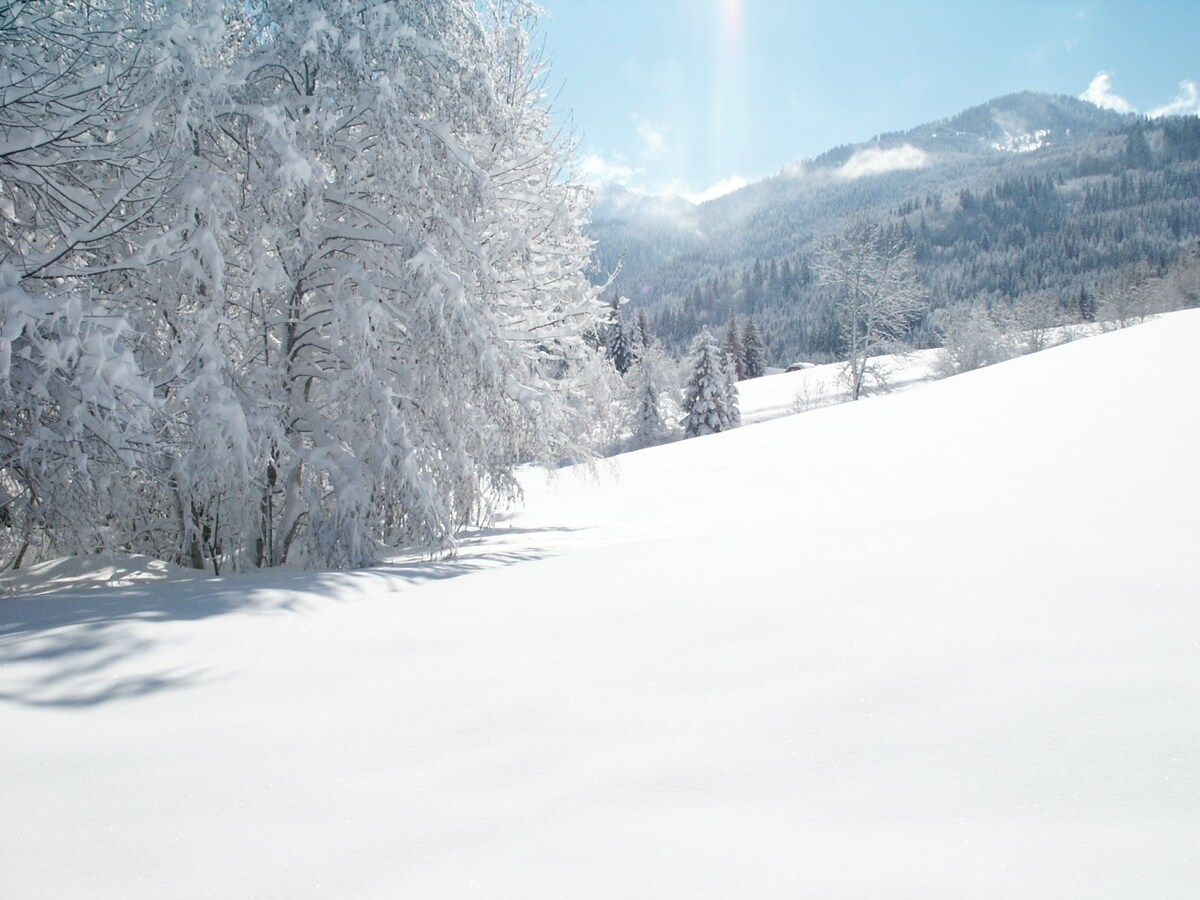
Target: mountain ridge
1088, 199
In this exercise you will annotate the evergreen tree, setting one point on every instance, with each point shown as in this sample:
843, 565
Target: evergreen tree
733, 347
647, 426
754, 352
651, 377
1086, 306
618, 344
733, 409
706, 395
643, 333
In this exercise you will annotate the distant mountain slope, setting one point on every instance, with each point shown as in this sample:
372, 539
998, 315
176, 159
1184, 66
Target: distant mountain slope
1014, 123
1028, 193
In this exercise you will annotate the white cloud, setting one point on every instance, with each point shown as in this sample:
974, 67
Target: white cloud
713, 191
597, 170
1101, 94
1186, 104
876, 161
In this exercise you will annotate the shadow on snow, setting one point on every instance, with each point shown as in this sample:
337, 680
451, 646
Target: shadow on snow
58, 647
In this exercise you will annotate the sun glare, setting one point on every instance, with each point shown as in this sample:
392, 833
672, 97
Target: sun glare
727, 114
731, 27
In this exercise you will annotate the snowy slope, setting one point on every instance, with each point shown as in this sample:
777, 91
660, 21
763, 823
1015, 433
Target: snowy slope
941, 643
785, 393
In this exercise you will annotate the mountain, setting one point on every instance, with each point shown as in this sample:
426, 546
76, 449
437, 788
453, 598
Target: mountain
1014, 123
1026, 195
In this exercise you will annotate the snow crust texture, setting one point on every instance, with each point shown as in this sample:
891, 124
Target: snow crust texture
940, 643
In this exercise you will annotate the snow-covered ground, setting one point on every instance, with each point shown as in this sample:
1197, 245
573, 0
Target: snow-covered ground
786, 393
942, 643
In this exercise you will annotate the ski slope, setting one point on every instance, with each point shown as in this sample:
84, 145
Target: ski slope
940, 643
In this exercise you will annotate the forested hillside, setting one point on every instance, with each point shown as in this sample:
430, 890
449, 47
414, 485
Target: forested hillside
1026, 202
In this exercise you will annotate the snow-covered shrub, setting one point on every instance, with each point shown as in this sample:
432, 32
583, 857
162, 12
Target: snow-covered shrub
972, 339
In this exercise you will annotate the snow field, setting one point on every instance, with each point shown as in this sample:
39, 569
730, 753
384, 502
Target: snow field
935, 644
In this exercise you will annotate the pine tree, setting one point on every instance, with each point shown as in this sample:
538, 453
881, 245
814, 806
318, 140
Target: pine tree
1086, 305
754, 353
733, 346
647, 426
643, 334
617, 343
706, 396
733, 409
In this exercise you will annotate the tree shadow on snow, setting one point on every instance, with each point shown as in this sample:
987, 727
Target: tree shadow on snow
61, 646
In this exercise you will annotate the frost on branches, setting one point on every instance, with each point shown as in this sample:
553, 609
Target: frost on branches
78, 176
879, 297
651, 380
357, 302
710, 393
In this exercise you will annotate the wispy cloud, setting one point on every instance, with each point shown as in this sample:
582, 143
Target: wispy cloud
1187, 103
713, 191
654, 140
1100, 93
877, 160
596, 170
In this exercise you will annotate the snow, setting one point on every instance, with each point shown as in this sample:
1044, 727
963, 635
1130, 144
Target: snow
784, 393
938, 643
106, 570
1022, 143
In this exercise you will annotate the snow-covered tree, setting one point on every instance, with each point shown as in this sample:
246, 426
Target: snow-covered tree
1086, 304
651, 380
353, 275
78, 174
77, 170
754, 352
421, 276
642, 335
1183, 281
707, 401
972, 339
75, 416
1038, 316
647, 426
878, 295
734, 348
618, 343
732, 401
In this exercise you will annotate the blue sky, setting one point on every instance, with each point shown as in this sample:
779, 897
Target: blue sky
694, 96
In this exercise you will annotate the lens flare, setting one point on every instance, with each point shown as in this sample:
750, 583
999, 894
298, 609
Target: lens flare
731, 27
729, 88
